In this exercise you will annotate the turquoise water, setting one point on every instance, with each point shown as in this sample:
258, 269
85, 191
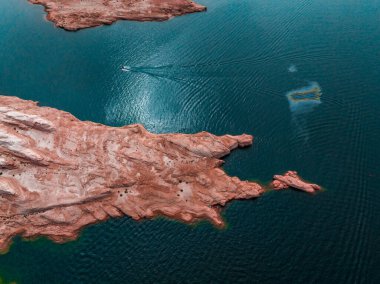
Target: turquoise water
224, 71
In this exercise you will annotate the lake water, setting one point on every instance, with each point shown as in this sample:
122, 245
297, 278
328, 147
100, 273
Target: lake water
228, 70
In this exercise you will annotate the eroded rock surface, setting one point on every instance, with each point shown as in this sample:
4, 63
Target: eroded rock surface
291, 180
59, 174
80, 14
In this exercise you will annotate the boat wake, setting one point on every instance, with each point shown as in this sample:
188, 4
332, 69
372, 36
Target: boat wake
292, 68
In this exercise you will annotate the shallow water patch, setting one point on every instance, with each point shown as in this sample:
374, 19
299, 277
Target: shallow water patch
304, 99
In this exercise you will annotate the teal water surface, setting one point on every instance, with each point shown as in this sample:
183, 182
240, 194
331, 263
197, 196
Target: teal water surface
225, 71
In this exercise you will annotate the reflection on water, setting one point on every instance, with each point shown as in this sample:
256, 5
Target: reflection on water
302, 101
226, 71
3, 281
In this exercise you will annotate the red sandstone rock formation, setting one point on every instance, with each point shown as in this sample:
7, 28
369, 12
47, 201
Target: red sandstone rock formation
80, 14
291, 179
59, 174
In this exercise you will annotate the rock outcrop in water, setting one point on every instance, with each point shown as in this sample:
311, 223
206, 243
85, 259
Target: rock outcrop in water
291, 179
59, 174
79, 14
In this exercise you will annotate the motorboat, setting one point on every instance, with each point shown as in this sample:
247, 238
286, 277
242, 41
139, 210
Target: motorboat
126, 68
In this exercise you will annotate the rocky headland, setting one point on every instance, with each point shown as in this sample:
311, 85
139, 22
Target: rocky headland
59, 174
79, 14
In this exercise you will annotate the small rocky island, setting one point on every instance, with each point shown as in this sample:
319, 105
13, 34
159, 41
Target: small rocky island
79, 14
59, 174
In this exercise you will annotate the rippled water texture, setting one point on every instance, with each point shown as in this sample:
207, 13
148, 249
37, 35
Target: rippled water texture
224, 71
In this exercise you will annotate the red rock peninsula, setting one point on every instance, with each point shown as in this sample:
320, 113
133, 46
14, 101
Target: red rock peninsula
59, 174
79, 14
